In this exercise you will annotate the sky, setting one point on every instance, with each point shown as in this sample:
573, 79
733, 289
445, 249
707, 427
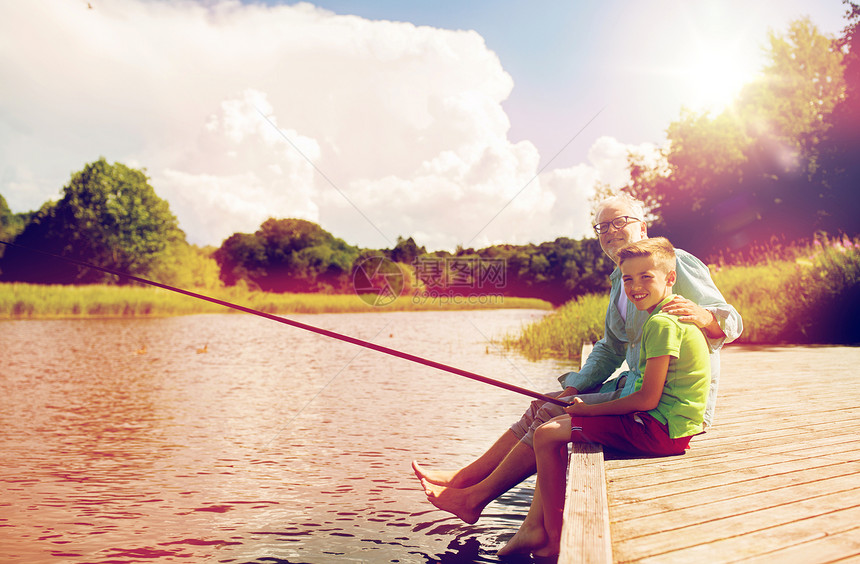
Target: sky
456, 123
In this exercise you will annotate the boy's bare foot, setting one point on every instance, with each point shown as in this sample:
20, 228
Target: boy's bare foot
452, 500
527, 539
438, 477
550, 550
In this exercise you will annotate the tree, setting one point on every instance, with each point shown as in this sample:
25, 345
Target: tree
750, 172
287, 255
109, 216
11, 224
406, 251
840, 168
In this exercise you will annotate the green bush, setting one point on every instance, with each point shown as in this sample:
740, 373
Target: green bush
814, 298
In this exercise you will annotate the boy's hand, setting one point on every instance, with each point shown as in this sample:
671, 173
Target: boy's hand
578, 407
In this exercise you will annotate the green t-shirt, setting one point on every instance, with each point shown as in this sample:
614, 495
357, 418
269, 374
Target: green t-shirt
685, 394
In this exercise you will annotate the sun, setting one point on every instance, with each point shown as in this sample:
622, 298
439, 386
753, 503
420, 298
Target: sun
716, 79
713, 73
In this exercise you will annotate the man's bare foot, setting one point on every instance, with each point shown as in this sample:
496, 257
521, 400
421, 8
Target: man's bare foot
447, 478
438, 477
453, 500
527, 539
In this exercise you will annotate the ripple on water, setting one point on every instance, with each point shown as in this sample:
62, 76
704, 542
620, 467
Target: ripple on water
275, 446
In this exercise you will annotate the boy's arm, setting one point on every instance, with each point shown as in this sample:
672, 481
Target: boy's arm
643, 399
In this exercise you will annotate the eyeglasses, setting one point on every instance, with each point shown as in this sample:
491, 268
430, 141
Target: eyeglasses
617, 223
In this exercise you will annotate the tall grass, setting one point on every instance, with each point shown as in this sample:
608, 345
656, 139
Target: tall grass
561, 333
789, 294
39, 301
814, 298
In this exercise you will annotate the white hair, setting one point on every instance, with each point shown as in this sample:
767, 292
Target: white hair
637, 208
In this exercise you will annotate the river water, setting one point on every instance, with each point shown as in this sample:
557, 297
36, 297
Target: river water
123, 441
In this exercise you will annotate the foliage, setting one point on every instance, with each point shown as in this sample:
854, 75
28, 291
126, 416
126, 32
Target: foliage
769, 165
554, 271
406, 251
108, 216
839, 173
287, 255
813, 297
11, 224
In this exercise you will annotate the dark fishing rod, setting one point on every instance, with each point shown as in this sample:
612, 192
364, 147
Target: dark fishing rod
306, 327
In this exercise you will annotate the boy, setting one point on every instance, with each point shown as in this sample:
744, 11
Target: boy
658, 419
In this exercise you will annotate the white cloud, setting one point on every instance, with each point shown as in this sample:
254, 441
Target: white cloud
393, 129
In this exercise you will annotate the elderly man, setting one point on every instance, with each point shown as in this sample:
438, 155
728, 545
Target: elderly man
618, 221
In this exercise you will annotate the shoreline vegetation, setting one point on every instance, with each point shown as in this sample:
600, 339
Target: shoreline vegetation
36, 301
786, 295
807, 294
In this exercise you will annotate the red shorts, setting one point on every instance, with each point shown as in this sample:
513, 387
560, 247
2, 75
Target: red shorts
635, 433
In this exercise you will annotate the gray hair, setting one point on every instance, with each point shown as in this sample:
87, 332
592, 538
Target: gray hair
637, 208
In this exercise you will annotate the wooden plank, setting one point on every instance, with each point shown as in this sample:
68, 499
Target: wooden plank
777, 478
697, 530
585, 534
829, 537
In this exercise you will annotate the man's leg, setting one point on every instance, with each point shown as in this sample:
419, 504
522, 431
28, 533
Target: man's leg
484, 465
475, 471
468, 503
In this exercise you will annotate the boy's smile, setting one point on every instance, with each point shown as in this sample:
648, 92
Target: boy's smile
644, 283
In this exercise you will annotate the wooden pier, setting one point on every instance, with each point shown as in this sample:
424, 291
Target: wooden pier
776, 479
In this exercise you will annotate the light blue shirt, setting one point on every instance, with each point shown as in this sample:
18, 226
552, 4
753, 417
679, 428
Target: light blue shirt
622, 339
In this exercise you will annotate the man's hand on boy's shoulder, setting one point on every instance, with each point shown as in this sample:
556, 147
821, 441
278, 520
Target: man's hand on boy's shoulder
689, 311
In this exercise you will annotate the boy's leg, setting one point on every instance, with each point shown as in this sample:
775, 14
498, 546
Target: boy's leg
531, 535
551, 441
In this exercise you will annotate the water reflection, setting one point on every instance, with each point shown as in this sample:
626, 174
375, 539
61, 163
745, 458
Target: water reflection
123, 443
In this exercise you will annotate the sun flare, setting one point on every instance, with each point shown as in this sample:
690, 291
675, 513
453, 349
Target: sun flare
714, 70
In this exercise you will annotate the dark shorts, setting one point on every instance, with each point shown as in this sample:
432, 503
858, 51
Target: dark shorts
634, 433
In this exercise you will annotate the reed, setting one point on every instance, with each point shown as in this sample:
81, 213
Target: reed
561, 333
32, 301
812, 298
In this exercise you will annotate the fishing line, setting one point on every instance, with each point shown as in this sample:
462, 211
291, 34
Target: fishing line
306, 327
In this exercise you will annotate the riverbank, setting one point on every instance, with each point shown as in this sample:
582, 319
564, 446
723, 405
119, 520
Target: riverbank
33, 301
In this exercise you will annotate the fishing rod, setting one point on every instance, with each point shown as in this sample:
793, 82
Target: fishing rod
306, 327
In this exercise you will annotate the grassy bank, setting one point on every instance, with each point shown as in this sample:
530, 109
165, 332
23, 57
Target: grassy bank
801, 294
29, 301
